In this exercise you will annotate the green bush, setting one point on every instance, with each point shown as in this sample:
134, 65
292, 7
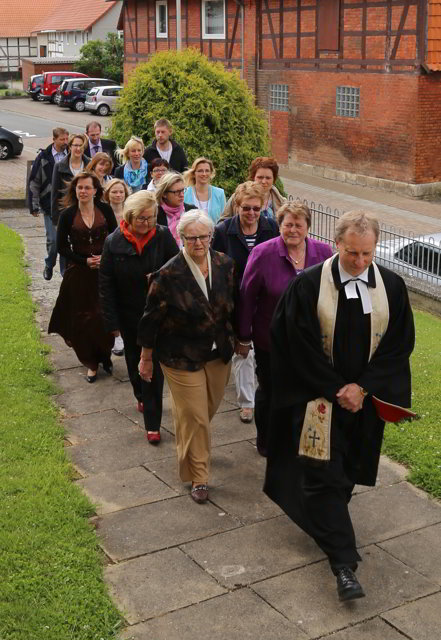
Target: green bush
212, 112
3, 85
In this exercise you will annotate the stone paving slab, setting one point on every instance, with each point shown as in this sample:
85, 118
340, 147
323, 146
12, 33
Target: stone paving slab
229, 463
116, 453
105, 393
375, 629
160, 525
124, 489
389, 472
309, 593
95, 426
391, 511
254, 552
241, 615
420, 620
155, 584
419, 550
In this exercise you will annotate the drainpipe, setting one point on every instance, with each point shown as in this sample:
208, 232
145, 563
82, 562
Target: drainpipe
178, 25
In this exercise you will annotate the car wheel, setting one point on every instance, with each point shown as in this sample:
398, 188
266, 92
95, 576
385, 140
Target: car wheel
34, 97
103, 110
40, 98
52, 100
5, 150
79, 105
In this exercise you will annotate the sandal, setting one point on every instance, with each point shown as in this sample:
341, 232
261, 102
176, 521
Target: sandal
246, 414
199, 493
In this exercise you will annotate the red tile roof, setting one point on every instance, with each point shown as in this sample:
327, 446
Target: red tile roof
21, 16
434, 35
78, 15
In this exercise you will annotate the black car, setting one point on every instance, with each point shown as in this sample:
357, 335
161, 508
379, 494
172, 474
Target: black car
10, 144
72, 93
35, 85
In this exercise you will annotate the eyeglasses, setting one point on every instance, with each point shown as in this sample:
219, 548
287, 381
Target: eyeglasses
202, 171
78, 146
160, 170
193, 239
247, 208
143, 219
179, 191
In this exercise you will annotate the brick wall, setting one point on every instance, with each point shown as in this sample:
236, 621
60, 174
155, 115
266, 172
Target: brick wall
30, 68
428, 156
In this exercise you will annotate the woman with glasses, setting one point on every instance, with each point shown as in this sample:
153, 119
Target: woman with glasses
263, 171
158, 168
170, 199
83, 227
188, 320
199, 190
137, 248
134, 169
64, 171
236, 237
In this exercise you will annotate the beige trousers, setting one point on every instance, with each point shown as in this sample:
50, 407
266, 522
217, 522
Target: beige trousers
196, 396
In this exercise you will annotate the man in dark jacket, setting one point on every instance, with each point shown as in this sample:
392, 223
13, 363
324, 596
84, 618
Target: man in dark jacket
96, 144
163, 147
39, 199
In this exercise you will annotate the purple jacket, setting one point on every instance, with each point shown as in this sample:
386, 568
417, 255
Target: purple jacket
267, 274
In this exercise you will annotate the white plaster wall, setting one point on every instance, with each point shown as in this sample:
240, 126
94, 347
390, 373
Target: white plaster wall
107, 24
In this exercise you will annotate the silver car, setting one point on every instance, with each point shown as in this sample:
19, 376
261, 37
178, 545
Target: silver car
101, 100
418, 257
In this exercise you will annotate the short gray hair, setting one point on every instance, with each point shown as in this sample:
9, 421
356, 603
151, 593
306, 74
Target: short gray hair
360, 222
192, 216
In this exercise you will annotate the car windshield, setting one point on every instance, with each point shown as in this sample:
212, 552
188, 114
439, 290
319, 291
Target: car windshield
92, 92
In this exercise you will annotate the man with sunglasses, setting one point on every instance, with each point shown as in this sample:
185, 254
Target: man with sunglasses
236, 237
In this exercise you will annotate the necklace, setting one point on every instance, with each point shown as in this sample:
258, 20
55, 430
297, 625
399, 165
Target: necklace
301, 257
91, 220
199, 202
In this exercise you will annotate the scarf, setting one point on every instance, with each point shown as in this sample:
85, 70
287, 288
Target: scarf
173, 216
135, 178
197, 273
138, 243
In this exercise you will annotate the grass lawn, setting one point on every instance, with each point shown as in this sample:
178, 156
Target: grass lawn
51, 584
418, 444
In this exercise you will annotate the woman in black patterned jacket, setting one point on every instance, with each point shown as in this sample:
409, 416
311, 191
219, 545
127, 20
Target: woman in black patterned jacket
188, 321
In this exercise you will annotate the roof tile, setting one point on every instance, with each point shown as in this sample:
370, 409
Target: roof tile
20, 16
434, 36
79, 15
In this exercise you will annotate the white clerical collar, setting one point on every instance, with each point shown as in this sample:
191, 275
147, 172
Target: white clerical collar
359, 282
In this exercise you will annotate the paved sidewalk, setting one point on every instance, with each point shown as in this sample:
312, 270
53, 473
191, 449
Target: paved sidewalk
235, 568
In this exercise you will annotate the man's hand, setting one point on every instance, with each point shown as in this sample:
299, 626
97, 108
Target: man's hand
35, 213
350, 397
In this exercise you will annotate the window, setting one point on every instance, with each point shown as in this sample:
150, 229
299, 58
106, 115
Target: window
75, 37
161, 19
67, 37
423, 256
279, 97
348, 102
213, 19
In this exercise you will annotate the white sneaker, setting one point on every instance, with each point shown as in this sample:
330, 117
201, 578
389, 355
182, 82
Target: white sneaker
118, 347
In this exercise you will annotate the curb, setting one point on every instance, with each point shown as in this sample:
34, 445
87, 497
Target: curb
12, 97
12, 203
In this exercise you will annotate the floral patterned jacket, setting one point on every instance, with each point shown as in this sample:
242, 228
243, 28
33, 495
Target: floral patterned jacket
180, 323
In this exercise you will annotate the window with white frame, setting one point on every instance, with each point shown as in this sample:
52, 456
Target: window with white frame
161, 19
213, 19
67, 37
75, 37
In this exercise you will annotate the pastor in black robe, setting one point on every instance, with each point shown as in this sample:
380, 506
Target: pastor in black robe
315, 495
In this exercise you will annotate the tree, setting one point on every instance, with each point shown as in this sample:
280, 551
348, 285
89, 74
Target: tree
212, 112
103, 58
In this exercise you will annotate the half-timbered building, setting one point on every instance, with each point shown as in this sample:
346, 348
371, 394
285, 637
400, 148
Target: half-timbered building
349, 86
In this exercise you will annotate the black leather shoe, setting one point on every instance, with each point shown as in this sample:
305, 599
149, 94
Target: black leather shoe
348, 587
47, 273
91, 378
108, 366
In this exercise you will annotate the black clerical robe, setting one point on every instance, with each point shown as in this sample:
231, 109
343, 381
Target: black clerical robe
302, 372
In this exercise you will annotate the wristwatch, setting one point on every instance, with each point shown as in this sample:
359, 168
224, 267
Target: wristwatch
363, 392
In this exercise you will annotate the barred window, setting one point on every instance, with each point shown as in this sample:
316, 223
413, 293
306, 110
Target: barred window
348, 102
279, 97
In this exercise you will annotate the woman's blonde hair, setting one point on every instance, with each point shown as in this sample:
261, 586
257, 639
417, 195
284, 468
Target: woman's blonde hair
249, 189
190, 174
123, 154
167, 181
101, 155
137, 203
296, 209
82, 137
111, 184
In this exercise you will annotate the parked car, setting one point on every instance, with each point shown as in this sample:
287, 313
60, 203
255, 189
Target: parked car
10, 144
101, 100
73, 92
35, 85
53, 79
417, 257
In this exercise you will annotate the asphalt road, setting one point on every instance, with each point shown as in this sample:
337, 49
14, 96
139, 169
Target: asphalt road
34, 121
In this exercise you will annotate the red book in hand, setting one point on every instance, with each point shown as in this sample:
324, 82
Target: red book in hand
392, 412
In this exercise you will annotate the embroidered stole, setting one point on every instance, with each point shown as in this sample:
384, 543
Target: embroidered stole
315, 439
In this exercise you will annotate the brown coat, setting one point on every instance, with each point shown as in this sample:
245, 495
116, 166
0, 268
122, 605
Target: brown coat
180, 323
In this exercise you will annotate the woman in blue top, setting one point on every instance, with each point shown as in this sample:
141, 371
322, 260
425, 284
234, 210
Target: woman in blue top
135, 169
199, 191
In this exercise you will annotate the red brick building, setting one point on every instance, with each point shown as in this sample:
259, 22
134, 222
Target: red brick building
348, 85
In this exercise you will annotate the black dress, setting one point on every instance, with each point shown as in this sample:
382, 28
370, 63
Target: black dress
77, 315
